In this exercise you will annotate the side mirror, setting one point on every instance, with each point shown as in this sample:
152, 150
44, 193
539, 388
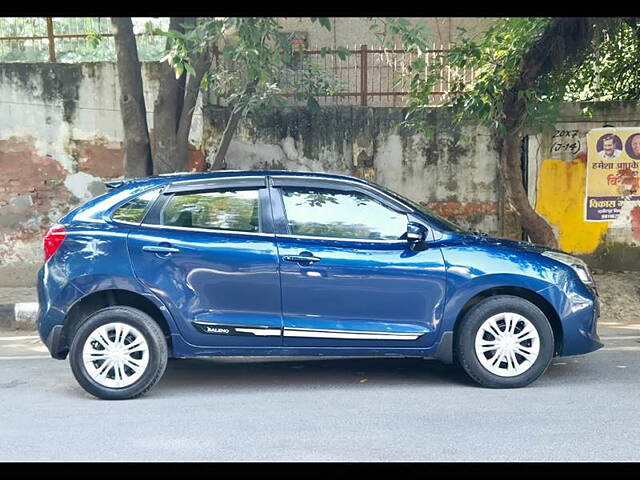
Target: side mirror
416, 233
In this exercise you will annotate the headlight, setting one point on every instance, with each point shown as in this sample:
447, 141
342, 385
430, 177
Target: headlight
578, 265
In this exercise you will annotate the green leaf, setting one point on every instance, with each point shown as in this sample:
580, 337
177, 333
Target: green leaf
325, 22
190, 69
179, 69
312, 104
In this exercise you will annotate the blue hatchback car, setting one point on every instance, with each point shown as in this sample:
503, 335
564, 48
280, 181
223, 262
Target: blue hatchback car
286, 263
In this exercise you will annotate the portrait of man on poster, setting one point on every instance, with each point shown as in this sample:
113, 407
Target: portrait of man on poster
609, 146
632, 146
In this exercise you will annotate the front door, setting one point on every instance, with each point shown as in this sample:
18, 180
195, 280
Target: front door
348, 277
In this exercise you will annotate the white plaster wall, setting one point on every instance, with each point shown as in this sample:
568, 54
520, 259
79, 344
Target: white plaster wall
97, 112
470, 178
244, 155
27, 114
399, 164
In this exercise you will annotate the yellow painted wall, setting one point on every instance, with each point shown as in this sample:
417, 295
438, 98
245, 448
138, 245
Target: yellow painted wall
560, 199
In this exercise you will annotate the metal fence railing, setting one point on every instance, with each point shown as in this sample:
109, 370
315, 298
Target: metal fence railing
377, 76
366, 76
67, 40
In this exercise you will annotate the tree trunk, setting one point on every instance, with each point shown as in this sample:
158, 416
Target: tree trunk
167, 109
137, 150
230, 129
174, 109
166, 115
535, 226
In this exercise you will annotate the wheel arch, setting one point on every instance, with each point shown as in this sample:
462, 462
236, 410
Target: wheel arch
100, 299
524, 293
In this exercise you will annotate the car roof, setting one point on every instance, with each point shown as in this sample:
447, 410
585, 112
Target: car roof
182, 176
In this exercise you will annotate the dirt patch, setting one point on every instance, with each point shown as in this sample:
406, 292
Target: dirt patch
614, 257
619, 297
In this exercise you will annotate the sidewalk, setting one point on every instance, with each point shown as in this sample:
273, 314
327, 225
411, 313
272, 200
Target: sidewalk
18, 307
11, 295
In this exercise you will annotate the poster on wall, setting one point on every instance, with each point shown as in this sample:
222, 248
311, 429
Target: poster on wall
613, 165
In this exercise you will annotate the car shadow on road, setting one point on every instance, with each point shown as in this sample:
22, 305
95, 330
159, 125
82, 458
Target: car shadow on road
265, 373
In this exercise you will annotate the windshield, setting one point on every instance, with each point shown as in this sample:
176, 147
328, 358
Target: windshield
437, 220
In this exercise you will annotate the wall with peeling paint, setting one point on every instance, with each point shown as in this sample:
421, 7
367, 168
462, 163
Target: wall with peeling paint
557, 172
454, 172
60, 137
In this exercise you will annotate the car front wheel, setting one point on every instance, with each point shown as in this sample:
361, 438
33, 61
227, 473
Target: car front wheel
505, 342
118, 353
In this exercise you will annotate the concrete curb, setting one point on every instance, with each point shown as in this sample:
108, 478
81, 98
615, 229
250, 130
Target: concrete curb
19, 315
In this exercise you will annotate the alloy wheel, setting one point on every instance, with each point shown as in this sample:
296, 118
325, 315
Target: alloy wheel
507, 344
115, 355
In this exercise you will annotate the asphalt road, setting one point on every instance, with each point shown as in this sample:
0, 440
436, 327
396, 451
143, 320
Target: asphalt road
584, 408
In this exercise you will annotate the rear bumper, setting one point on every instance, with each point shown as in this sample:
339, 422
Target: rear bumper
52, 314
56, 343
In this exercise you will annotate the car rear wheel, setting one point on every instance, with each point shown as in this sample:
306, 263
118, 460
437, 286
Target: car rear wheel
118, 353
504, 342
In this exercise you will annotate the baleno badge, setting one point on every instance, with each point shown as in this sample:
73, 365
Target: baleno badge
217, 330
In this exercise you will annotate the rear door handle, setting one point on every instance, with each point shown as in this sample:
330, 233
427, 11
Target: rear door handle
159, 249
301, 258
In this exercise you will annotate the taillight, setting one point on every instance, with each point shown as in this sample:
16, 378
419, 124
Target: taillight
52, 240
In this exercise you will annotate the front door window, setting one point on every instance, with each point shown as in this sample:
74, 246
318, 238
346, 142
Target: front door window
339, 214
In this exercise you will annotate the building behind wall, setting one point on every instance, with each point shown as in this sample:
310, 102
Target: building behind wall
354, 31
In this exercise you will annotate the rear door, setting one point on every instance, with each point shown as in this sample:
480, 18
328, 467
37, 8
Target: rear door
348, 276
208, 251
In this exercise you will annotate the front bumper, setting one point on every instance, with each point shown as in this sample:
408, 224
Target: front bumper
581, 326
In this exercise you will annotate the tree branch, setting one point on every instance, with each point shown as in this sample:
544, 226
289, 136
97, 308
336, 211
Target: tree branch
230, 129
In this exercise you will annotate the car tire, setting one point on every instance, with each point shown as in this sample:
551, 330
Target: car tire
131, 341
504, 342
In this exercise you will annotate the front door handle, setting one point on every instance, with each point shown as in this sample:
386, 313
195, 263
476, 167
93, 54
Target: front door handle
301, 258
160, 249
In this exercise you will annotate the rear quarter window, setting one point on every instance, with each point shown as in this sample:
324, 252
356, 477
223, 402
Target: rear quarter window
133, 211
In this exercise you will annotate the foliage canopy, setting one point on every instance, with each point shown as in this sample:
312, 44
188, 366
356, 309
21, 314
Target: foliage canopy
608, 71
253, 51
